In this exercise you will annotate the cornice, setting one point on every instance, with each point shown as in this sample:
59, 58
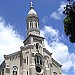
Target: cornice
54, 61
12, 55
33, 36
45, 50
29, 46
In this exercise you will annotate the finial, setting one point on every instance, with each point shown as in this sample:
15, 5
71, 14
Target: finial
31, 5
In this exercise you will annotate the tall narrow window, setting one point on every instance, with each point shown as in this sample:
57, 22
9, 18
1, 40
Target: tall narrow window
27, 60
35, 60
38, 60
41, 61
36, 24
37, 44
27, 72
30, 24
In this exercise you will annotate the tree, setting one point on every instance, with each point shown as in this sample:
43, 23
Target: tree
69, 20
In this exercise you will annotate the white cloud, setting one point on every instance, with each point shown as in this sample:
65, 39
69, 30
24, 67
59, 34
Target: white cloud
10, 40
59, 49
45, 19
57, 14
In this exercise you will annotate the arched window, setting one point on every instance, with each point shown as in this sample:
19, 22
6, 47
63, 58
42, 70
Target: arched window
39, 63
27, 60
15, 70
38, 59
37, 45
31, 24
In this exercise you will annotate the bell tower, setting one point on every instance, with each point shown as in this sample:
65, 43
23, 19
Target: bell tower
32, 22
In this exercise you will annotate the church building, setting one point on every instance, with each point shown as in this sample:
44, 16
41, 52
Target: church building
32, 58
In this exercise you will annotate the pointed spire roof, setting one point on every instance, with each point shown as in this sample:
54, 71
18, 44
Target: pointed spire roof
32, 11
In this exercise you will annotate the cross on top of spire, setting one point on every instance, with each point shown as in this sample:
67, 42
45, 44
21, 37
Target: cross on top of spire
31, 4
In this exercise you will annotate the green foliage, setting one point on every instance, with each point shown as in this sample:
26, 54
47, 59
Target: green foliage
69, 21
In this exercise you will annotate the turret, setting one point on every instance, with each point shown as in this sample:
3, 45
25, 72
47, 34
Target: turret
32, 22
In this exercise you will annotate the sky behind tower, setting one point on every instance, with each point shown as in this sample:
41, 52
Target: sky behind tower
13, 29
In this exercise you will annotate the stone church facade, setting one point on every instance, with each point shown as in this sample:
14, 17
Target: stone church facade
32, 58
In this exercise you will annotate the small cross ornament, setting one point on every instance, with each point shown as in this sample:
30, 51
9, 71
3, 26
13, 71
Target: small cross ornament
31, 4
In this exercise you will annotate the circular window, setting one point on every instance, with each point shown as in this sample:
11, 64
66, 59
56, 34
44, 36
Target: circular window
38, 69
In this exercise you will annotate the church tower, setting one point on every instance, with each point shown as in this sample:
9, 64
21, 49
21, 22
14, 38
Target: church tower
39, 58
32, 22
33, 58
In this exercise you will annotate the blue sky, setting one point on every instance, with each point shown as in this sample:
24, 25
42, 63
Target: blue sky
13, 29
